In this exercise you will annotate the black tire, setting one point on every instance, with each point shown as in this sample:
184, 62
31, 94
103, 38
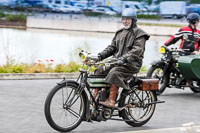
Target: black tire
138, 119
195, 87
55, 103
175, 16
157, 72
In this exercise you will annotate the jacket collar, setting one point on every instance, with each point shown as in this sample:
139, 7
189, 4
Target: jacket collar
191, 27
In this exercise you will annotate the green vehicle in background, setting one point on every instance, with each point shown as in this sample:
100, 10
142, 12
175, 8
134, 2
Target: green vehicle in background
176, 69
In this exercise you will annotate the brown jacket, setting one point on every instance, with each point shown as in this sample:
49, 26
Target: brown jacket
129, 43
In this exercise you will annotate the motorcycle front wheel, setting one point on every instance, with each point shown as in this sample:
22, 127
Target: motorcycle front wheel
157, 72
141, 109
64, 107
195, 86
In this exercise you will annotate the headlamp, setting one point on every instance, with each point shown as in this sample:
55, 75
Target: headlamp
83, 55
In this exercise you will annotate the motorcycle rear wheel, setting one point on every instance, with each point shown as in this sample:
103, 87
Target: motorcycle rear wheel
143, 110
64, 107
157, 72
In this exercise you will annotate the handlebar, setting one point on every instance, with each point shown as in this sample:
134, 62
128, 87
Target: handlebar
95, 58
109, 62
180, 51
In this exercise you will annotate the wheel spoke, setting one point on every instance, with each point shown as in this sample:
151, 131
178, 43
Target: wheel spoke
68, 97
73, 113
58, 113
141, 112
72, 103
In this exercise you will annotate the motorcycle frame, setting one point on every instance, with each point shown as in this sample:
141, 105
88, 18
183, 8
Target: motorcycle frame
84, 87
169, 66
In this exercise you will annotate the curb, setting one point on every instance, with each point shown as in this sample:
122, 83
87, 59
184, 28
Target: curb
13, 26
32, 76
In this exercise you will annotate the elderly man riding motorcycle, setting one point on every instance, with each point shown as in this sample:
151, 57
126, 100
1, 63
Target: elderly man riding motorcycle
128, 46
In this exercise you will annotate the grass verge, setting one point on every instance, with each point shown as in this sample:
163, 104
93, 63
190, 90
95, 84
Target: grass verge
46, 68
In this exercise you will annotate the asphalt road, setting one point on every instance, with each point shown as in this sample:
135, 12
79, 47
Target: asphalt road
22, 105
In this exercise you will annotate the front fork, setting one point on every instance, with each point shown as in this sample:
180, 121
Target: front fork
165, 72
168, 69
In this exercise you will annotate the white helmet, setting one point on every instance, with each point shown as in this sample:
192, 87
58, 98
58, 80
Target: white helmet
129, 13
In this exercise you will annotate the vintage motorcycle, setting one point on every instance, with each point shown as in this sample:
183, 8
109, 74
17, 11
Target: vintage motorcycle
177, 68
71, 102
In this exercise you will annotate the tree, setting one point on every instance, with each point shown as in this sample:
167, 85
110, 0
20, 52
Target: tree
195, 1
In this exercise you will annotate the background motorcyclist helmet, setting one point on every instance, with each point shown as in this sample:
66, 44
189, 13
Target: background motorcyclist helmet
192, 18
129, 13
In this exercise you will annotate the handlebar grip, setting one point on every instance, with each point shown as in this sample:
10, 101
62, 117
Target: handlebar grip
95, 58
186, 53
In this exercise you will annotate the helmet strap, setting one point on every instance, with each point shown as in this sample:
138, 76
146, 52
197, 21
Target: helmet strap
193, 29
134, 21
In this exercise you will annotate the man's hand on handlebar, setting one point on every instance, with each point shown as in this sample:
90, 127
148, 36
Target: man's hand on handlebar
196, 52
162, 45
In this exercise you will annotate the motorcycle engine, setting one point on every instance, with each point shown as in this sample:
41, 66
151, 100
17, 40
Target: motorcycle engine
102, 114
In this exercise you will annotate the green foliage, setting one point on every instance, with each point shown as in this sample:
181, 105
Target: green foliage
2, 14
12, 68
92, 69
148, 16
173, 0
143, 69
165, 25
59, 68
3, 70
71, 67
16, 18
89, 13
19, 8
41, 68
17, 69
195, 1
145, 16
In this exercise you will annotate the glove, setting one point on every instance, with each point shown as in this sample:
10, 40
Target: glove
121, 61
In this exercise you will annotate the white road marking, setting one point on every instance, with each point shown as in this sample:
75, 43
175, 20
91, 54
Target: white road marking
165, 129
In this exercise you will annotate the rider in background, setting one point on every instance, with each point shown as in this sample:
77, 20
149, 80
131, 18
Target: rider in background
128, 47
190, 35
